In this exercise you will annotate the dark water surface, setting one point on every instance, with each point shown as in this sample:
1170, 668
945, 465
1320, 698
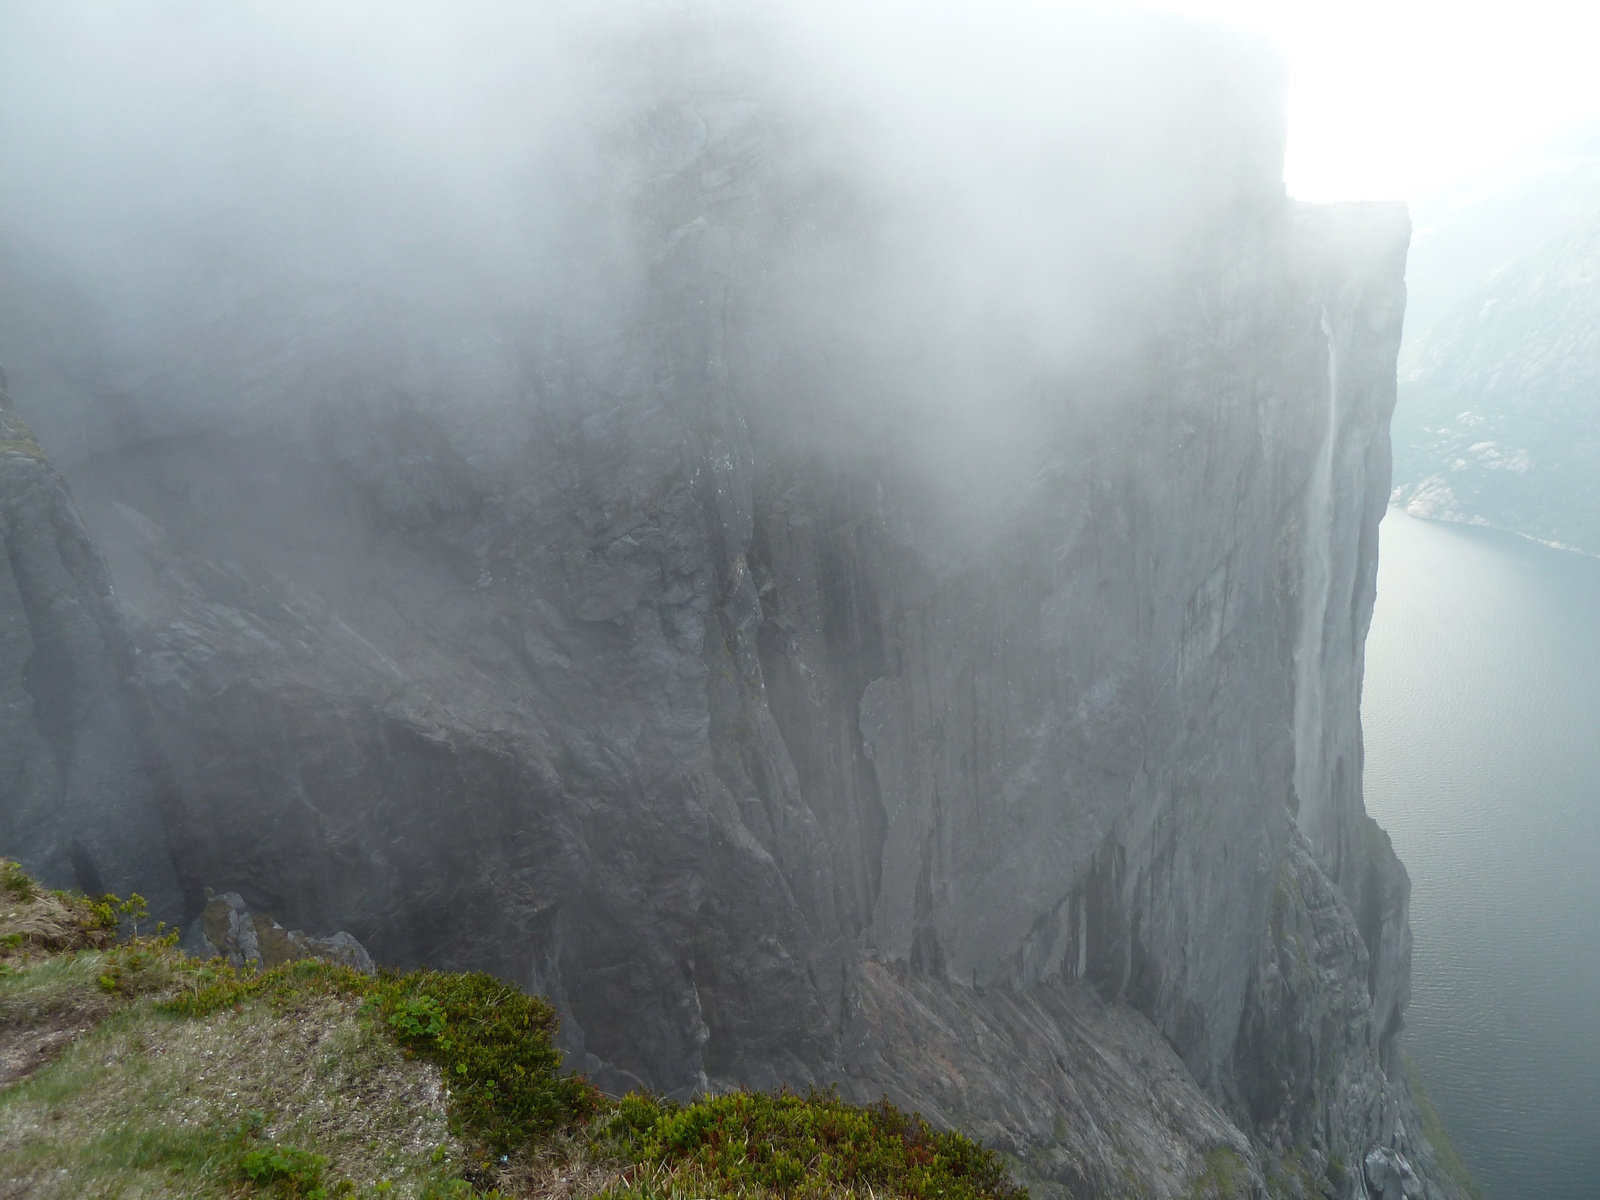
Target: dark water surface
1482, 719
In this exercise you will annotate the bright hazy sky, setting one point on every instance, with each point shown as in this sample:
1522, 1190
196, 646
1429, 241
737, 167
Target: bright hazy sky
1391, 99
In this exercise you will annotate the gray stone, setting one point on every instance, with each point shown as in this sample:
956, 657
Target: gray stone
968, 714
86, 796
1390, 1176
226, 928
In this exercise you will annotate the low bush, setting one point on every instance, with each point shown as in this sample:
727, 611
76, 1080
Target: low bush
810, 1145
295, 1172
15, 882
493, 1041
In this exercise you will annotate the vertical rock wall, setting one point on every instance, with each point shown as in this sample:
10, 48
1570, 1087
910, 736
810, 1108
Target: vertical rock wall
825, 668
84, 789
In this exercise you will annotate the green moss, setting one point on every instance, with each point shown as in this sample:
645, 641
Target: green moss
792, 1145
1338, 1174
24, 445
15, 436
1224, 1177
1291, 1177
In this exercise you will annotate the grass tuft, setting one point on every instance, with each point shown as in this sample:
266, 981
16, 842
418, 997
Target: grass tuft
791, 1145
494, 1043
296, 1172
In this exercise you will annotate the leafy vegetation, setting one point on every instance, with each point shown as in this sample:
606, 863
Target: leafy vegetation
15, 882
495, 1044
299, 1172
1224, 1178
492, 1041
803, 1146
154, 1073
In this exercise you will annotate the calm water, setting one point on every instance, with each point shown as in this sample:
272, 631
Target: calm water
1482, 717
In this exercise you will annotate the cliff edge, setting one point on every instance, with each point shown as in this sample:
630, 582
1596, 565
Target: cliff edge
847, 643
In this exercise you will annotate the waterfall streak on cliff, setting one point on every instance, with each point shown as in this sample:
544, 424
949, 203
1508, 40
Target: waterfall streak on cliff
1316, 583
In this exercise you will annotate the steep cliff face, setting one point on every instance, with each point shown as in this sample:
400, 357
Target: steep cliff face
84, 787
961, 702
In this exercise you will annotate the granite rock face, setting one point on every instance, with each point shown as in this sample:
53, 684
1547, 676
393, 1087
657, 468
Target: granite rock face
84, 791
961, 703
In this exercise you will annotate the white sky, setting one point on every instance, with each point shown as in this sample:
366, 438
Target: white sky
1391, 99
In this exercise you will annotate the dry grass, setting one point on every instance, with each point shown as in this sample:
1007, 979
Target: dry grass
150, 1104
47, 1006
569, 1168
54, 950
36, 924
564, 1167
104, 1094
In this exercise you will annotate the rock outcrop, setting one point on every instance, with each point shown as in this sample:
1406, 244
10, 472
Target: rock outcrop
227, 928
960, 703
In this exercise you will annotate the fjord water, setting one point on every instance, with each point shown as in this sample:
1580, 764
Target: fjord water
1481, 714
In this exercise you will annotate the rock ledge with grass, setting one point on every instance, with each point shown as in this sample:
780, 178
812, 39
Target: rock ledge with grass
129, 1067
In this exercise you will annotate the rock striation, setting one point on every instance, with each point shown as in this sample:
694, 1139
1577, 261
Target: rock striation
961, 703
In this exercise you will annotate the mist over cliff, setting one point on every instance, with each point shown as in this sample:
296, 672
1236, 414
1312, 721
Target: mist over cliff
1495, 424
836, 543
307, 185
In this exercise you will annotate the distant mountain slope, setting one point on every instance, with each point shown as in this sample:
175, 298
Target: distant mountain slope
1498, 421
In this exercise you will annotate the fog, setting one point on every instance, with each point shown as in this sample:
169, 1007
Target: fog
683, 505
232, 214
1397, 99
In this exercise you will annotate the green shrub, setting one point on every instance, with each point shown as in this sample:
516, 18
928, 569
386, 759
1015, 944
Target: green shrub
296, 1172
16, 882
418, 1018
805, 1145
101, 914
494, 1042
